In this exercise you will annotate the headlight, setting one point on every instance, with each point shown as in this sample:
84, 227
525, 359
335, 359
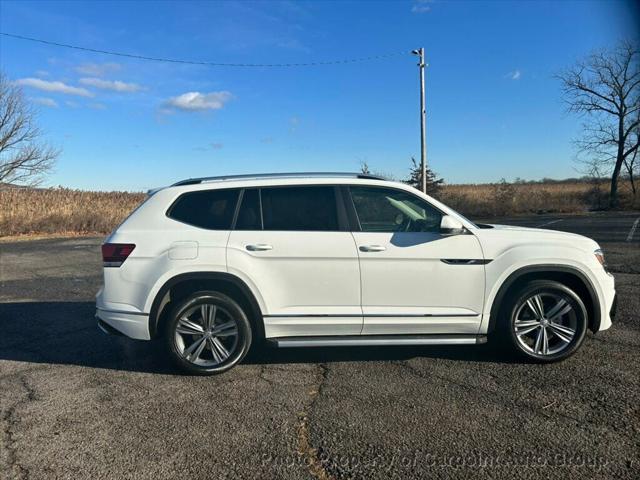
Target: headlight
600, 257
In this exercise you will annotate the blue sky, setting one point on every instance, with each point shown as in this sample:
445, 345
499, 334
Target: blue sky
494, 108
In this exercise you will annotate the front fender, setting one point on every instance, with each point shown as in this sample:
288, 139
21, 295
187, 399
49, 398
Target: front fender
505, 270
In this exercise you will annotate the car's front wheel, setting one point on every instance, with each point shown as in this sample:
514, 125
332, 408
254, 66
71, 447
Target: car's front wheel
544, 321
207, 333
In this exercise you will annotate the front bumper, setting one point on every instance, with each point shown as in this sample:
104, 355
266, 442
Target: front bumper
607, 298
614, 308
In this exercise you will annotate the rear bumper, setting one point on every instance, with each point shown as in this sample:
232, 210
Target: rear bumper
123, 318
133, 325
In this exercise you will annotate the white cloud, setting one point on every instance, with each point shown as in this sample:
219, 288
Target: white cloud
515, 75
421, 6
216, 146
115, 85
97, 69
57, 87
47, 102
196, 101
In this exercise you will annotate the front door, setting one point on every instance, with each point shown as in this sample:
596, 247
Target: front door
414, 279
292, 245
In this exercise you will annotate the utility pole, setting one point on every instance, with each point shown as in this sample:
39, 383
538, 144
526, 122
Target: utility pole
423, 121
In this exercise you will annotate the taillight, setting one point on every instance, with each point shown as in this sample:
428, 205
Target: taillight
114, 254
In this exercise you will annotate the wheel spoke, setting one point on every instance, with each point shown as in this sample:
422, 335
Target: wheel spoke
557, 315
205, 309
536, 306
526, 330
538, 346
556, 308
220, 353
196, 354
187, 327
188, 331
545, 342
195, 349
562, 332
526, 323
226, 329
216, 356
211, 321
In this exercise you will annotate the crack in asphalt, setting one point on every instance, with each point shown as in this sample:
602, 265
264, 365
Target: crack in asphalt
262, 376
315, 462
11, 420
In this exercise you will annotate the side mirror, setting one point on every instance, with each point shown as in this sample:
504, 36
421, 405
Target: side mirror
450, 226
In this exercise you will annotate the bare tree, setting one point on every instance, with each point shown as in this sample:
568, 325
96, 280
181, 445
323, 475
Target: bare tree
630, 164
605, 88
24, 158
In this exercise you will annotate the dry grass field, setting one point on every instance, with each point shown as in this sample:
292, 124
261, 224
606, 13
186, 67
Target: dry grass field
61, 211
498, 199
27, 211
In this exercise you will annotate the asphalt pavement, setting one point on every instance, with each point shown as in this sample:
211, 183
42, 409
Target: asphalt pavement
601, 226
76, 403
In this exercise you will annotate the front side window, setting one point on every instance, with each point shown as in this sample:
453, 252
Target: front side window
210, 209
390, 210
299, 208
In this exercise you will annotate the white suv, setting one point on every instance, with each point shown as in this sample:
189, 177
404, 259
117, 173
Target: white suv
213, 265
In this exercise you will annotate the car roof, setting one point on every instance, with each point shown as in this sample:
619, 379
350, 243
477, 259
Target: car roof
258, 176
273, 179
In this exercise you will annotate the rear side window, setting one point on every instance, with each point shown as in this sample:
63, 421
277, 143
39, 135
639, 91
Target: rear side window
300, 208
211, 209
249, 217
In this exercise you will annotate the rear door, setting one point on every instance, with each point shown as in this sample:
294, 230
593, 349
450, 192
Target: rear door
414, 279
293, 246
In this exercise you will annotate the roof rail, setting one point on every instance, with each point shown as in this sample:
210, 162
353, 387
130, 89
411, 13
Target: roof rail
194, 181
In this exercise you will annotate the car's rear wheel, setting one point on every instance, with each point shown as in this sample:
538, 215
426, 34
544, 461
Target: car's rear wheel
544, 321
207, 333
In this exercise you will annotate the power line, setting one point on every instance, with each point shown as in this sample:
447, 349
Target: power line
210, 64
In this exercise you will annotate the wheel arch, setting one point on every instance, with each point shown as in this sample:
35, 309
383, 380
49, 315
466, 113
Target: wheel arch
568, 275
184, 284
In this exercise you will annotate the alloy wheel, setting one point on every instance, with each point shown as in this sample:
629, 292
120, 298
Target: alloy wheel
545, 323
206, 335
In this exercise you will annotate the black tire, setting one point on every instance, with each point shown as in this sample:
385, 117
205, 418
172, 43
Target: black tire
211, 359
526, 346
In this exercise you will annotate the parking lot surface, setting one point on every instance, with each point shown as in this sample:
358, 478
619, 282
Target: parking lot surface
76, 403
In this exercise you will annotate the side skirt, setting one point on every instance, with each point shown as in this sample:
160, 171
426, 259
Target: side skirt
376, 340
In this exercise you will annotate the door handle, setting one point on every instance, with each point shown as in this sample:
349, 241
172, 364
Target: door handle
259, 247
372, 248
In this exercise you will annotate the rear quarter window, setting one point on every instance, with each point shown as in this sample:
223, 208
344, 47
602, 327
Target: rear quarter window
210, 209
